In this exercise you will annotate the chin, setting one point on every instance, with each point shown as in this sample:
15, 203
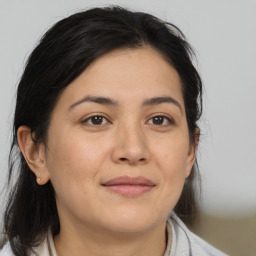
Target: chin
131, 227
132, 222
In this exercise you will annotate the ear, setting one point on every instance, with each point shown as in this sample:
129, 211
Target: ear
192, 152
34, 154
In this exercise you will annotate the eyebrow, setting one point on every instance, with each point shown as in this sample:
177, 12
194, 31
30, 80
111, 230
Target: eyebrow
160, 100
109, 101
95, 99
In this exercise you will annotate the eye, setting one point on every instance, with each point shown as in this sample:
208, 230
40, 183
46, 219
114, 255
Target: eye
96, 120
160, 120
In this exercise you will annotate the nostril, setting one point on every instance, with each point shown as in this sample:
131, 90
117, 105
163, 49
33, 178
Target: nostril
133, 161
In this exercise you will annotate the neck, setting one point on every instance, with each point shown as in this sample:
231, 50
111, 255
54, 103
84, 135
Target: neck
90, 242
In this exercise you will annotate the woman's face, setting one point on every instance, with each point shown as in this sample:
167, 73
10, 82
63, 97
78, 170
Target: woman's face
118, 147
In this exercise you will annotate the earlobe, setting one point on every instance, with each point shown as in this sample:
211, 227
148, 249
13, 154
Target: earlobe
34, 154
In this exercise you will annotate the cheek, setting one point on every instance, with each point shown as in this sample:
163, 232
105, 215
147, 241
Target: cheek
171, 155
171, 159
73, 162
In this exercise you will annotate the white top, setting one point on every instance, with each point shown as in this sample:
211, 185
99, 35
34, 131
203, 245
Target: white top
181, 242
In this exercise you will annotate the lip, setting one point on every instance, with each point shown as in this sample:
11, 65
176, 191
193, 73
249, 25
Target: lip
129, 186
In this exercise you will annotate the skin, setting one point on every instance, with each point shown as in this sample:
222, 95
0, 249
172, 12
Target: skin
80, 155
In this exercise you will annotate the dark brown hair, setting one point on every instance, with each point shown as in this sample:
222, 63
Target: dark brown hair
62, 54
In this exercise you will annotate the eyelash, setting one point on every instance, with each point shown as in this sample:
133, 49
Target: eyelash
88, 120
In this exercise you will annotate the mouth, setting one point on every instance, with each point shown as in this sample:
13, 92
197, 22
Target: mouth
129, 186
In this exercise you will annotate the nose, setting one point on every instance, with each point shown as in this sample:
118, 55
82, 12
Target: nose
130, 146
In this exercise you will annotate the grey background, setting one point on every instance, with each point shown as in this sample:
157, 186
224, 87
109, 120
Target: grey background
224, 36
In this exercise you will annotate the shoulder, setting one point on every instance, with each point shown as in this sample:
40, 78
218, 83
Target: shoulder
6, 250
196, 245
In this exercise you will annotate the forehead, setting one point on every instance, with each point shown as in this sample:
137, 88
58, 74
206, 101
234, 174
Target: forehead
126, 75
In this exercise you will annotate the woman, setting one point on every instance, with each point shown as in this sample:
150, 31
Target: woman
105, 139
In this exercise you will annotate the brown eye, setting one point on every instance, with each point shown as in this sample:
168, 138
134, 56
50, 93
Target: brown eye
95, 120
160, 121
